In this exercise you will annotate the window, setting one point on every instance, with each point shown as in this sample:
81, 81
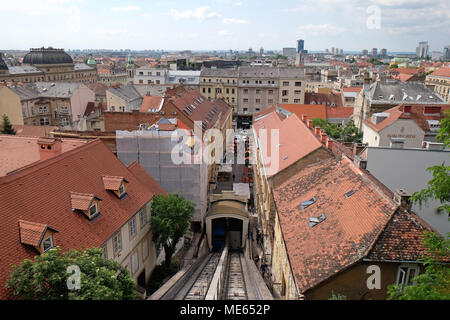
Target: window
132, 226
143, 218
117, 243
296, 100
285, 93
43, 110
65, 122
406, 274
298, 84
93, 210
245, 100
285, 100
44, 121
270, 91
204, 90
285, 83
134, 263
258, 91
144, 250
122, 190
270, 101
158, 74
209, 90
245, 91
232, 90
48, 243
104, 253
258, 100
64, 109
298, 91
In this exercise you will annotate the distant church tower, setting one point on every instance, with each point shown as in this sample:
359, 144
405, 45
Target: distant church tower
91, 61
131, 69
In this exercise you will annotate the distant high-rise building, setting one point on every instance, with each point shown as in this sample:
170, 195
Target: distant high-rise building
374, 52
422, 49
365, 52
290, 52
333, 50
447, 53
341, 51
383, 53
327, 51
261, 52
300, 46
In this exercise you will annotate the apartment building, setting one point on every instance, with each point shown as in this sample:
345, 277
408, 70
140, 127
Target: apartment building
439, 81
292, 86
220, 84
108, 208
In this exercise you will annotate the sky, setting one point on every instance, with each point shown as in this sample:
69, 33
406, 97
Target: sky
353, 25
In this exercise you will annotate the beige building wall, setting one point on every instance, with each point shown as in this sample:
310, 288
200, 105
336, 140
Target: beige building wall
11, 106
282, 278
402, 128
441, 85
114, 103
292, 91
220, 87
137, 253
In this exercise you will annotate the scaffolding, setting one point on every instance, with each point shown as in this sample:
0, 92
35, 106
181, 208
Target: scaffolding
152, 149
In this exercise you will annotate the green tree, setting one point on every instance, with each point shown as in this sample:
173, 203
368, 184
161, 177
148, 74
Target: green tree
349, 133
394, 66
47, 277
434, 284
171, 216
439, 185
6, 126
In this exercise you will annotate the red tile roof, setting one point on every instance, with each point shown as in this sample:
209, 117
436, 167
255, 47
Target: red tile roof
402, 239
33, 131
441, 72
81, 201
351, 226
150, 102
416, 114
352, 89
41, 193
197, 108
403, 77
327, 99
288, 150
17, 152
112, 183
31, 233
318, 111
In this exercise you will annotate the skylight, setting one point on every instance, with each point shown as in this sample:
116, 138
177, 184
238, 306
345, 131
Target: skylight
315, 221
306, 204
350, 193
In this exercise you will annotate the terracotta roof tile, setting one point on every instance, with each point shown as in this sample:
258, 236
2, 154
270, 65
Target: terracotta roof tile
441, 72
31, 233
112, 183
351, 227
81, 201
41, 193
151, 102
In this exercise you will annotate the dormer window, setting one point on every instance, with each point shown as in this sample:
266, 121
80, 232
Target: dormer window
88, 204
115, 184
40, 236
93, 210
48, 243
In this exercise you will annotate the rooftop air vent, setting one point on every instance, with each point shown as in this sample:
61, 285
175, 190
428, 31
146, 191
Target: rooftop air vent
306, 204
315, 221
350, 193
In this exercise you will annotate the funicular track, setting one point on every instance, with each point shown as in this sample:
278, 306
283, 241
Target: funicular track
200, 287
235, 286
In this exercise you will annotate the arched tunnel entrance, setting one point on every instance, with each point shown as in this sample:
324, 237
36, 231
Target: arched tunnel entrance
227, 228
227, 220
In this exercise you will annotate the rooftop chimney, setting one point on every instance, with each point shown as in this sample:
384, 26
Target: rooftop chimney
318, 131
304, 118
329, 143
401, 197
323, 136
310, 124
49, 148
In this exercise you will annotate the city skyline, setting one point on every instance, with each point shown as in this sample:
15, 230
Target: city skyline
353, 25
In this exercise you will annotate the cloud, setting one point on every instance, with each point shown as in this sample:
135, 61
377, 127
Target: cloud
320, 30
125, 9
225, 33
234, 21
200, 14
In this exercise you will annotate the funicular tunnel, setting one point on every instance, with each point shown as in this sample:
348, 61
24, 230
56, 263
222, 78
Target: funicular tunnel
227, 220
